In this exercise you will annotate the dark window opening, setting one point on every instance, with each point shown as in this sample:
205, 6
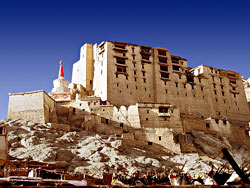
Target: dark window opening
213, 78
231, 75
223, 94
164, 75
133, 49
146, 119
121, 125
184, 85
166, 91
145, 50
145, 58
222, 87
214, 85
164, 68
176, 68
234, 88
150, 143
163, 60
134, 72
147, 111
192, 86
234, 95
106, 121
180, 77
190, 79
144, 80
119, 46
135, 79
176, 84
216, 121
160, 138
175, 60
207, 125
121, 69
232, 81
142, 66
224, 122
143, 73
1, 130
161, 52
80, 104
163, 109
200, 80
221, 80
215, 92
121, 61
117, 84
202, 89
74, 110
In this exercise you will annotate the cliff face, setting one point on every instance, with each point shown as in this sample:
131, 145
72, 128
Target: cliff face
81, 151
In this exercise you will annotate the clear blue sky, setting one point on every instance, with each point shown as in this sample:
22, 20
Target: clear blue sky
35, 35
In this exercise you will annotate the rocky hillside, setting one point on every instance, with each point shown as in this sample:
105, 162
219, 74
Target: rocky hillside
90, 153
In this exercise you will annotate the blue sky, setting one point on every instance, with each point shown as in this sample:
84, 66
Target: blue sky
35, 35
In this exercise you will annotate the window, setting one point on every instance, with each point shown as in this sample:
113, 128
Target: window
192, 86
224, 122
232, 81
135, 79
180, 77
222, 87
74, 111
164, 68
147, 111
207, 125
176, 84
121, 69
134, 72
142, 66
162, 53
190, 79
213, 78
176, 68
163, 60
150, 143
119, 46
164, 75
133, 49
117, 84
166, 91
120, 61
220, 80
143, 73
145, 57
145, 89
144, 80
159, 138
215, 92
222, 93
146, 119
184, 85
121, 125
202, 88
200, 80
1, 130
163, 109
134, 64
216, 121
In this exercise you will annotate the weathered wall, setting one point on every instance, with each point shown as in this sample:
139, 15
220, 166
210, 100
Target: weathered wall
49, 109
3, 144
28, 106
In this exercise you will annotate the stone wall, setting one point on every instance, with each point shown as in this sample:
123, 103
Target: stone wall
28, 106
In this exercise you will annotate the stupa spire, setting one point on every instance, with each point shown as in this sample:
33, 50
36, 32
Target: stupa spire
61, 73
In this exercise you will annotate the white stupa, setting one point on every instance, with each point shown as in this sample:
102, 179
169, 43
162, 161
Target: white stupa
61, 91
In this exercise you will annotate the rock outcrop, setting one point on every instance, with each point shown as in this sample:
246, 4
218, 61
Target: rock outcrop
81, 151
